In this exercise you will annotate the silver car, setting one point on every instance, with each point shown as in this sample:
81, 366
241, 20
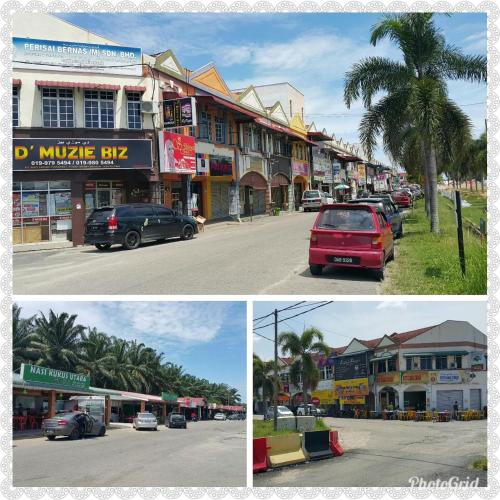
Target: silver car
283, 411
145, 421
72, 424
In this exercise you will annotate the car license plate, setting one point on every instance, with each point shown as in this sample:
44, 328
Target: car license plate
93, 228
50, 432
335, 259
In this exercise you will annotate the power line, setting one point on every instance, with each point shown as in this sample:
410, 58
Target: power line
280, 310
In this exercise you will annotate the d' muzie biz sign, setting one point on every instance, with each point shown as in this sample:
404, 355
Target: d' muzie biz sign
179, 112
50, 376
81, 154
350, 367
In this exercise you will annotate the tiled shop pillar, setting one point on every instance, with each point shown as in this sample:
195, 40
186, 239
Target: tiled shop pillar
52, 404
77, 212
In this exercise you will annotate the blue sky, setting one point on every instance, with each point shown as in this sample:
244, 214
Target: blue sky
207, 338
343, 320
311, 51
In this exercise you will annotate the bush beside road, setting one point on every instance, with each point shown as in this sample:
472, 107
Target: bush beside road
264, 428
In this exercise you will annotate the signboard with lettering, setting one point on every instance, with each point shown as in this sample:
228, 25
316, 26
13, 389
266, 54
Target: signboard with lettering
31, 53
346, 388
177, 153
50, 376
326, 397
169, 396
300, 168
387, 378
349, 367
221, 166
414, 377
81, 154
179, 113
353, 401
446, 377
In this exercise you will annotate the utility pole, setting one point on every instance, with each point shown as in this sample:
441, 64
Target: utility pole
275, 392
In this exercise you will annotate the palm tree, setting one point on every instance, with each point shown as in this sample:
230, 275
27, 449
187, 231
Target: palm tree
95, 357
57, 340
303, 348
415, 96
265, 384
22, 338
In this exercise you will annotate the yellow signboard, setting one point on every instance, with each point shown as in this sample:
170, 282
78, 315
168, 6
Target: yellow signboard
361, 170
412, 377
325, 396
387, 378
353, 401
353, 387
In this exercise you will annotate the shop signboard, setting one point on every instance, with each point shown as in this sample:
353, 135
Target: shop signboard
280, 165
221, 166
350, 367
50, 376
179, 113
391, 378
16, 207
325, 397
354, 387
446, 377
362, 170
233, 200
477, 360
414, 377
177, 153
255, 164
81, 154
31, 53
328, 179
353, 401
300, 168
202, 164
169, 396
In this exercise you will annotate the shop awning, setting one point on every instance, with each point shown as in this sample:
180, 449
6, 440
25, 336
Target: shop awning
227, 104
437, 353
318, 136
16, 82
265, 122
80, 85
386, 355
134, 88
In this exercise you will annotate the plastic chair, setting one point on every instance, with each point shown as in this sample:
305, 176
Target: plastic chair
22, 423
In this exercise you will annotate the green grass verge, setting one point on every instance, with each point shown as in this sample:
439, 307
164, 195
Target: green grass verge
264, 428
478, 203
480, 463
428, 264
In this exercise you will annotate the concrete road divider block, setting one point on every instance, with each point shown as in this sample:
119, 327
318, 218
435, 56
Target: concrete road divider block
306, 423
260, 463
285, 450
286, 423
316, 445
335, 445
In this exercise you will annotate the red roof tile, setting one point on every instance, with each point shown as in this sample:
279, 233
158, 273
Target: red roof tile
134, 88
80, 85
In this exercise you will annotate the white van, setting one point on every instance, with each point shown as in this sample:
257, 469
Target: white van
314, 199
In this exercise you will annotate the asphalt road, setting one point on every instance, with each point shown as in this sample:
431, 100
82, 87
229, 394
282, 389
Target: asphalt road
208, 453
387, 454
266, 256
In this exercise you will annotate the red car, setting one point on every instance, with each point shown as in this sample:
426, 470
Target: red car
401, 198
350, 236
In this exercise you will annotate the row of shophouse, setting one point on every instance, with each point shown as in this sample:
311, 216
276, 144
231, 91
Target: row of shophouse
424, 369
40, 392
96, 123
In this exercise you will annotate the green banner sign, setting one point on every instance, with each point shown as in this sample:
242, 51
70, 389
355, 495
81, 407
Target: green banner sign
40, 374
169, 396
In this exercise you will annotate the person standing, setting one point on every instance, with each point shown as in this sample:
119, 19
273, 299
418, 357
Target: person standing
455, 410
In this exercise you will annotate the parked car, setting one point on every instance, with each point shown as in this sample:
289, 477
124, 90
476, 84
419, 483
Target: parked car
314, 199
219, 416
68, 424
145, 420
401, 198
382, 195
311, 410
283, 411
345, 235
233, 416
176, 420
390, 210
133, 224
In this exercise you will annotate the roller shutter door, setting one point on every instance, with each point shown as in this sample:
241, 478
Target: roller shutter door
445, 400
220, 200
259, 201
475, 399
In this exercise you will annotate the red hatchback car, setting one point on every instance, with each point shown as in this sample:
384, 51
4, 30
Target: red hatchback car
350, 236
401, 198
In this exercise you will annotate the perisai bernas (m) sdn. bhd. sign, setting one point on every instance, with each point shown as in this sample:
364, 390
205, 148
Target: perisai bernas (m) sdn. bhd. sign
74, 56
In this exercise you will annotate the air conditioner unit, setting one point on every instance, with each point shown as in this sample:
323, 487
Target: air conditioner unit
415, 365
453, 365
148, 107
245, 150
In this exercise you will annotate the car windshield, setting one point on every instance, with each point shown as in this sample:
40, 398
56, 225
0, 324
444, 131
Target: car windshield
349, 220
311, 194
283, 408
101, 214
67, 415
177, 416
145, 415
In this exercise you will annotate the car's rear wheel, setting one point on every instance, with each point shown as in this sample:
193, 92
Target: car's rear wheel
51, 438
379, 273
187, 232
103, 246
102, 431
132, 240
75, 434
316, 269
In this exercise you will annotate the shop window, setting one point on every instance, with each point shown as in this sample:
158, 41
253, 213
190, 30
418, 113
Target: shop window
391, 365
284, 377
425, 363
205, 128
458, 362
99, 109
134, 116
232, 133
15, 106
255, 139
58, 108
409, 366
441, 362
381, 368
220, 130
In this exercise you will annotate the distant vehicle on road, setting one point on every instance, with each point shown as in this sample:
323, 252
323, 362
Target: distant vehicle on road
314, 199
402, 198
311, 410
176, 420
145, 420
234, 416
382, 195
73, 424
346, 235
219, 416
390, 210
283, 411
133, 224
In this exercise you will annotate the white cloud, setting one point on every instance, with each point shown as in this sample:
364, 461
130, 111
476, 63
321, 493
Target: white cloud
392, 304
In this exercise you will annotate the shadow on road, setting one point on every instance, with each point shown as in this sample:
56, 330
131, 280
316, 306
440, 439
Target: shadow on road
343, 274
118, 248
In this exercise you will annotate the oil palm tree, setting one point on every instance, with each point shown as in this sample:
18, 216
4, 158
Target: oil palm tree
95, 357
414, 92
303, 348
57, 340
22, 338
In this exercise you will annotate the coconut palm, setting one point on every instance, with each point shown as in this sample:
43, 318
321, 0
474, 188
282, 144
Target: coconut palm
265, 384
303, 348
56, 340
22, 337
414, 92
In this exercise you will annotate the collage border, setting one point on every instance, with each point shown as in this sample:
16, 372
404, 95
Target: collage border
8, 11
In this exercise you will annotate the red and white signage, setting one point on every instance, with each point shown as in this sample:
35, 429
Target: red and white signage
177, 153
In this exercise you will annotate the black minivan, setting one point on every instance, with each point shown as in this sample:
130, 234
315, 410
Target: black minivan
130, 225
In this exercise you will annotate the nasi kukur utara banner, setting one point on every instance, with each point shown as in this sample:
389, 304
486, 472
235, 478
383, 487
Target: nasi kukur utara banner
81, 154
